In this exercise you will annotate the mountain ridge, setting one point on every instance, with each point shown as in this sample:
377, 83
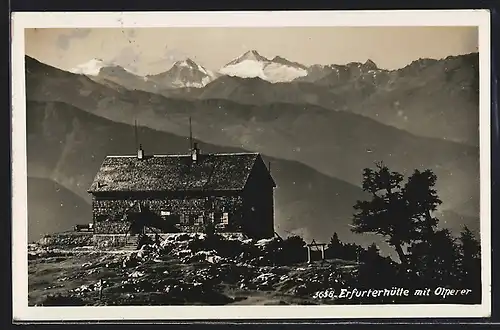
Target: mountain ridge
87, 139
53, 208
410, 96
185, 73
251, 64
307, 202
428, 97
336, 143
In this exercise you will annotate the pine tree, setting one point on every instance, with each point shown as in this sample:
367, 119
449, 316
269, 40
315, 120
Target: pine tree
435, 259
400, 212
470, 247
372, 250
334, 240
470, 256
422, 200
334, 249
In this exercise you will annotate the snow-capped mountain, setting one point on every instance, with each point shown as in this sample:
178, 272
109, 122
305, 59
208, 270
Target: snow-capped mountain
113, 75
251, 65
341, 73
93, 67
284, 61
185, 73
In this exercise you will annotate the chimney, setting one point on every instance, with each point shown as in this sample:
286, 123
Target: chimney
195, 153
140, 152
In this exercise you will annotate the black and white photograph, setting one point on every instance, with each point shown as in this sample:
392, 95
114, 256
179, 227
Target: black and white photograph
180, 163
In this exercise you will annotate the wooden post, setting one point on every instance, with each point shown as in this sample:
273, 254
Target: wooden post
322, 252
100, 289
308, 254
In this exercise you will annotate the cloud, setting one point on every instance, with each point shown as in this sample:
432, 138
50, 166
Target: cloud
169, 57
131, 33
64, 40
174, 55
128, 58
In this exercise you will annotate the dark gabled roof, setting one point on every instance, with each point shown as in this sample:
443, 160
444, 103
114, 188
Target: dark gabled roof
175, 173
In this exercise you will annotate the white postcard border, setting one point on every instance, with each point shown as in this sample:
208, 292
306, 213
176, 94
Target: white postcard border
23, 20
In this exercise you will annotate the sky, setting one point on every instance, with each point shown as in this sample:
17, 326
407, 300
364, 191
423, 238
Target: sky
154, 50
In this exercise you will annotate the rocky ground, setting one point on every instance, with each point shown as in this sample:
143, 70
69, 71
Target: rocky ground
180, 269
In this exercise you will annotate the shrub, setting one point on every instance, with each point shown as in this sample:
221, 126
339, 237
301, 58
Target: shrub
63, 300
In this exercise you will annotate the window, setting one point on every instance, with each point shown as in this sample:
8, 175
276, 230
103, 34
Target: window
192, 219
225, 218
199, 219
174, 218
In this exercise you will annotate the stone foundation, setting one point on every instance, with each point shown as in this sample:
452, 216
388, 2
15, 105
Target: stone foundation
112, 240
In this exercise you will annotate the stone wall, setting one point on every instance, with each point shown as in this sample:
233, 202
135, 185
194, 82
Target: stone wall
108, 241
106, 226
108, 213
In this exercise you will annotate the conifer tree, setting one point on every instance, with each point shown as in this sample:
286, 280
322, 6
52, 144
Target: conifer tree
470, 256
401, 212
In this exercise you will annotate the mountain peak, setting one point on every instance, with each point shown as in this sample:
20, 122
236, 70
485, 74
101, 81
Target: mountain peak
251, 55
193, 66
183, 73
186, 63
251, 65
369, 64
254, 55
278, 58
282, 60
190, 61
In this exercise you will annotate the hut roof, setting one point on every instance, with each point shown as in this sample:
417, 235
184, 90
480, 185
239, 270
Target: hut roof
175, 173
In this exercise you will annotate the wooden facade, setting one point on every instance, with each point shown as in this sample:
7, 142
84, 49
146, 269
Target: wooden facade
233, 191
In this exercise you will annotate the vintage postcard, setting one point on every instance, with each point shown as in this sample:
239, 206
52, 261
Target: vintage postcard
251, 165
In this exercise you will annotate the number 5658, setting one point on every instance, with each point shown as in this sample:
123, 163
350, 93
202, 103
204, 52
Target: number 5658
324, 294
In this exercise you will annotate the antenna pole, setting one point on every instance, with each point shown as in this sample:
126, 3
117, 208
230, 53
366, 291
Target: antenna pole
190, 135
136, 136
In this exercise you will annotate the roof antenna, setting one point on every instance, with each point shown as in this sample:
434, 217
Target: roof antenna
190, 135
136, 135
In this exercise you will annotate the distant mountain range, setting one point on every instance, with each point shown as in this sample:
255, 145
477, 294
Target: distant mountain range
252, 65
432, 98
322, 150
182, 74
188, 73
